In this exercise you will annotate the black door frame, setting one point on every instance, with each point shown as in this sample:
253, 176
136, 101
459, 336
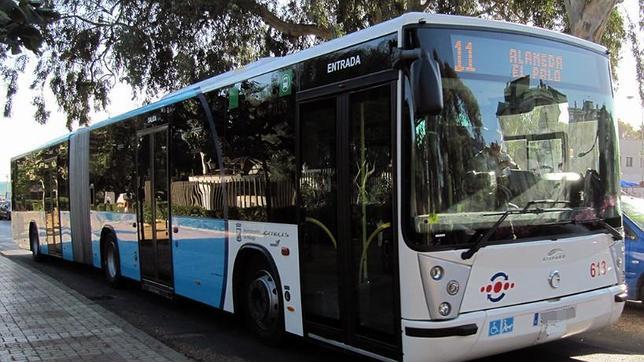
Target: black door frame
139, 212
342, 91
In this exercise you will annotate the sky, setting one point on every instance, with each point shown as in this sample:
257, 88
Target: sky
20, 133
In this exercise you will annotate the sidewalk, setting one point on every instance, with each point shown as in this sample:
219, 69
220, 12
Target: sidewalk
41, 319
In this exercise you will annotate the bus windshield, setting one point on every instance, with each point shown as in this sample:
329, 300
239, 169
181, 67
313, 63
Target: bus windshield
634, 209
526, 122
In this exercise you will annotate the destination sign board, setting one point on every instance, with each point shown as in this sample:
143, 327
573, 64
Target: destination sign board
558, 63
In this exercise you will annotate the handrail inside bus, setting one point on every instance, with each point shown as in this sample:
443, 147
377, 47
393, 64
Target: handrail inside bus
363, 257
326, 230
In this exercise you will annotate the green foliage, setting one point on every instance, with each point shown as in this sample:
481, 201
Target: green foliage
613, 38
21, 27
21, 23
628, 132
637, 49
195, 211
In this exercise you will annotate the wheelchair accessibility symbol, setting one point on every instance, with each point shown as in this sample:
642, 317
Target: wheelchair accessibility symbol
501, 326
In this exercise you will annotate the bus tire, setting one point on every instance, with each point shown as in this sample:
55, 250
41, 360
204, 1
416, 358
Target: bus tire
262, 302
111, 262
34, 243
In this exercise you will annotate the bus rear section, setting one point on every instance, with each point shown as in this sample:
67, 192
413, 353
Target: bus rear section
510, 211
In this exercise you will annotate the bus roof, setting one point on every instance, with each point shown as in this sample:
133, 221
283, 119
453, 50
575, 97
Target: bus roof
267, 65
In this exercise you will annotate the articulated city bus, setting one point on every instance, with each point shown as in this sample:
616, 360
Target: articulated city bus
430, 188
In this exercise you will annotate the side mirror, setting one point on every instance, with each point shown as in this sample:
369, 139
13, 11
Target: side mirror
426, 86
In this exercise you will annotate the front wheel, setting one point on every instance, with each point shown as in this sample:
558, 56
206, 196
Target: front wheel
263, 304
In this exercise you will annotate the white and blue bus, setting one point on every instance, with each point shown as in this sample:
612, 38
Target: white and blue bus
430, 188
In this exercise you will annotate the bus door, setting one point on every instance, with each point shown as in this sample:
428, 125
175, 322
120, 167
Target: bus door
153, 209
346, 232
51, 207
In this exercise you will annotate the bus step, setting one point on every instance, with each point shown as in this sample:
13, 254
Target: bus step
157, 288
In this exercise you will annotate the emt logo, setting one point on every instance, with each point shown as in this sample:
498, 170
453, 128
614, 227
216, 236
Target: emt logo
499, 284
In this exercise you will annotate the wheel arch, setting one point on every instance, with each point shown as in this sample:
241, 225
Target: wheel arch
247, 254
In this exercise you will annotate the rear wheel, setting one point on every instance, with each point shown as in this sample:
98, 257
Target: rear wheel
34, 243
111, 264
263, 304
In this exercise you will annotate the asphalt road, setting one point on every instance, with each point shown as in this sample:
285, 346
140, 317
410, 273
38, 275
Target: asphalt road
205, 334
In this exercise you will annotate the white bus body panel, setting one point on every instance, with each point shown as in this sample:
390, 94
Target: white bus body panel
528, 267
412, 297
272, 237
593, 310
510, 297
20, 227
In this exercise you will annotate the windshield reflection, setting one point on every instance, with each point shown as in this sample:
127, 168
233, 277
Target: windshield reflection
498, 145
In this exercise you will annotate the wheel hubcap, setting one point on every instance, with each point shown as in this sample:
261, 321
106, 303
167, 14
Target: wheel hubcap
111, 263
263, 301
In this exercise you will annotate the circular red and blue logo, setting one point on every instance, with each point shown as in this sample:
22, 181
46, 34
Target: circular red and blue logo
498, 286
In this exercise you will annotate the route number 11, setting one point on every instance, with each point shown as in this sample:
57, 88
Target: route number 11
459, 57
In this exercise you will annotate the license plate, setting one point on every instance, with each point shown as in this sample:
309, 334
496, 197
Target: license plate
555, 315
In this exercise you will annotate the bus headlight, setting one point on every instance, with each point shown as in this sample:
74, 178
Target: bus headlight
436, 272
452, 287
444, 285
444, 309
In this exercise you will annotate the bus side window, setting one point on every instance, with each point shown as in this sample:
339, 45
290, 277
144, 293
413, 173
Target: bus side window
196, 188
257, 139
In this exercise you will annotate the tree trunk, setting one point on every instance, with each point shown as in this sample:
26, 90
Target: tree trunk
292, 29
588, 18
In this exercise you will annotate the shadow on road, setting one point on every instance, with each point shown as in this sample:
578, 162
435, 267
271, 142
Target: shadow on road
199, 331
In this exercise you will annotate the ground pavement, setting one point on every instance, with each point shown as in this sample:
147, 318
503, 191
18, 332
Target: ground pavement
41, 319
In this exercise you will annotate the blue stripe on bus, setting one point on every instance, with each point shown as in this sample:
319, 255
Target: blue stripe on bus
129, 259
223, 294
96, 253
199, 259
68, 252
199, 223
127, 241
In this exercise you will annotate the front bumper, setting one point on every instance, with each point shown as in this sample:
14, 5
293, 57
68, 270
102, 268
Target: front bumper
505, 329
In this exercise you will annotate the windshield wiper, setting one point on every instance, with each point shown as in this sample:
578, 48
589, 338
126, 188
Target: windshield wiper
526, 210
610, 228
536, 202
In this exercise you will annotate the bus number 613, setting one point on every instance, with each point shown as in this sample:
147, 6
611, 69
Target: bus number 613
597, 269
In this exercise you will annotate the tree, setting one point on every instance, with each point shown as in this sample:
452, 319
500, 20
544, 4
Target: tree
20, 24
637, 49
588, 19
628, 132
163, 45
